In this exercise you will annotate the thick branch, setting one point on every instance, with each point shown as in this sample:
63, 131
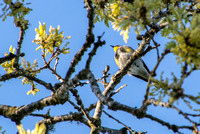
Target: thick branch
140, 114
78, 116
16, 114
21, 72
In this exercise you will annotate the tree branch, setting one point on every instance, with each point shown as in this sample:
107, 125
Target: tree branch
115, 79
19, 45
80, 103
153, 72
128, 128
78, 116
88, 42
16, 114
94, 50
22, 72
174, 128
10, 57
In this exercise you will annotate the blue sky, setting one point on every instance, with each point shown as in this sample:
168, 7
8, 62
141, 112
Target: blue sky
71, 16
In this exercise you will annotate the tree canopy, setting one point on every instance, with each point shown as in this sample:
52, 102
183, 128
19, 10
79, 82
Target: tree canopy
57, 66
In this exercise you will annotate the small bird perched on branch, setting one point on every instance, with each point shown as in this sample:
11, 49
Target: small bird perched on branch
137, 69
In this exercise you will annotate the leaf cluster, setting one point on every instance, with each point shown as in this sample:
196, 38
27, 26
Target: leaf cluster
50, 41
8, 65
183, 30
39, 129
30, 68
26, 65
125, 15
18, 10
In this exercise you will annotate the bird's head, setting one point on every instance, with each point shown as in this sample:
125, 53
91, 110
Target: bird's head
115, 47
124, 49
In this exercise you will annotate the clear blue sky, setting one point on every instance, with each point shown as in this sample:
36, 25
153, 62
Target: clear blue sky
71, 16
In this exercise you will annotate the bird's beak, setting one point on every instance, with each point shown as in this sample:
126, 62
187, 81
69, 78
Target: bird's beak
112, 46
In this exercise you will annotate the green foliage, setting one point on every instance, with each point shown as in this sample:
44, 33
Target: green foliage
39, 129
51, 41
170, 45
163, 88
187, 46
28, 67
124, 15
8, 65
103, 11
185, 34
18, 10
172, 90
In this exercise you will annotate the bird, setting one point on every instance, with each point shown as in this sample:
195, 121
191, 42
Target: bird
138, 68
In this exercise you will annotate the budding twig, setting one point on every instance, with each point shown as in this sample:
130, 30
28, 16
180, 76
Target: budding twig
113, 93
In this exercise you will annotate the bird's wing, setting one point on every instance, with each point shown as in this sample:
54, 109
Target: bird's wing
140, 77
139, 70
145, 66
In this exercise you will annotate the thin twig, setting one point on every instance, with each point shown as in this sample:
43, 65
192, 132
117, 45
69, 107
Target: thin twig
78, 116
97, 44
185, 74
56, 74
157, 50
153, 72
168, 105
74, 105
80, 103
129, 128
19, 45
47, 64
105, 75
113, 93
46, 116
174, 128
56, 64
